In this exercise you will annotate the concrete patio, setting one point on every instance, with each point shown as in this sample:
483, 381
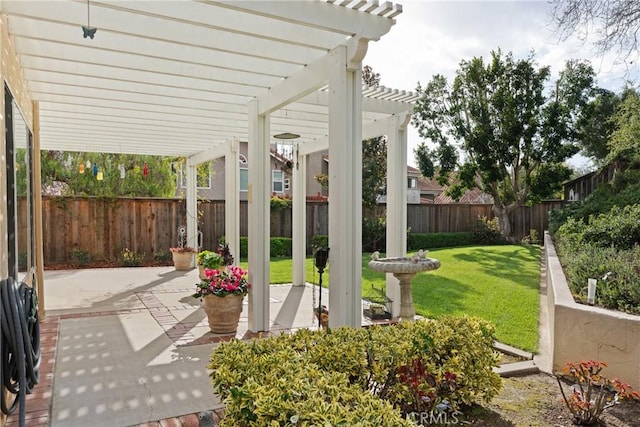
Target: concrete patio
126, 346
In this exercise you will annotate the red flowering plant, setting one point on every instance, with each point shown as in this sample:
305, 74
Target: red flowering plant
232, 281
592, 392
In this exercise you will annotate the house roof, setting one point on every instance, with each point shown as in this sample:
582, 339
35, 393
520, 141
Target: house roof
176, 77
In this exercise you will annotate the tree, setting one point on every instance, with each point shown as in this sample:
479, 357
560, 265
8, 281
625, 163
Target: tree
63, 170
512, 134
595, 125
374, 156
616, 23
625, 139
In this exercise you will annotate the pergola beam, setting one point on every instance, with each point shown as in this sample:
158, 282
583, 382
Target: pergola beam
305, 81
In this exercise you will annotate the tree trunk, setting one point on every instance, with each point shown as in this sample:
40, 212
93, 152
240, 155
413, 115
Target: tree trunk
503, 218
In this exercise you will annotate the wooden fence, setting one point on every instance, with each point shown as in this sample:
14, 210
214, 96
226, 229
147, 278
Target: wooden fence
104, 227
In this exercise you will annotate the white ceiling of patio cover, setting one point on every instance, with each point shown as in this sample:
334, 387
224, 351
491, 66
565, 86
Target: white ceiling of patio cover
174, 77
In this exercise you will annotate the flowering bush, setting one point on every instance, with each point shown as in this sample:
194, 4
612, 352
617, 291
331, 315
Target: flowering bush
232, 281
592, 392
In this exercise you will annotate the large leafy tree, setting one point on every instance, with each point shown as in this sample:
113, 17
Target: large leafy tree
61, 170
503, 128
374, 156
625, 139
595, 125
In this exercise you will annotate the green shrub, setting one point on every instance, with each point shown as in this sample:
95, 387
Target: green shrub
131, 258
209, 259
279, 247
617, 228
624, 190
81, 257
532, 238
417, 241
354, 376
487, 231
162, 256
320, 241
279, 203
618, 274
244, 247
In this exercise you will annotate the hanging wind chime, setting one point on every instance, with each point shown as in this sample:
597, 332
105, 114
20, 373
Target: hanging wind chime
88, 31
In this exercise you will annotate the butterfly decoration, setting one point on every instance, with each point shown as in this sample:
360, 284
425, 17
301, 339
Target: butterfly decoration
88, 32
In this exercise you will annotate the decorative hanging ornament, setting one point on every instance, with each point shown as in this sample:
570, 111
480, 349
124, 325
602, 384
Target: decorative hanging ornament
81, 168
145, 169
88, 30
88, 166
95, 169
99, 176
122, 171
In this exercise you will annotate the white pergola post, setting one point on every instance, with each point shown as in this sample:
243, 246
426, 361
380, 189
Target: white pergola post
396, 200
345, 189
299, 219
192, 207
259, 219
232, 198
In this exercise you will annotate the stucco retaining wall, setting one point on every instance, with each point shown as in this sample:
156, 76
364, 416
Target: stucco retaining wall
581, 332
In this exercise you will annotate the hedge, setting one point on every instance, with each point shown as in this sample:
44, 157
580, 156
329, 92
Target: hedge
375, 376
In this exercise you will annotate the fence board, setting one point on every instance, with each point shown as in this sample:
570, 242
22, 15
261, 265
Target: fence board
103, 227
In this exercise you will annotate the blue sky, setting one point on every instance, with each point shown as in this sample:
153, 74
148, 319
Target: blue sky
432, 37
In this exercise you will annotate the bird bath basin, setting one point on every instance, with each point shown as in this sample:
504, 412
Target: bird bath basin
404, 268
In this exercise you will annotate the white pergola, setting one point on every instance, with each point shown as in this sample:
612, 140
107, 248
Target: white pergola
193, 78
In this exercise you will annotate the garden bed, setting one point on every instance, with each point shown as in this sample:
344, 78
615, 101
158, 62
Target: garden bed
581, 332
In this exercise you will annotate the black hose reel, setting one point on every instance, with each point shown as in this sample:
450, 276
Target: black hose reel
19, 344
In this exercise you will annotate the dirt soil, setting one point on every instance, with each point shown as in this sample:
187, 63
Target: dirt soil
535, 400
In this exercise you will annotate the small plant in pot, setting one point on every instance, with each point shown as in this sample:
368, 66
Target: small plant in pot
208, 260
221, 293
183, 257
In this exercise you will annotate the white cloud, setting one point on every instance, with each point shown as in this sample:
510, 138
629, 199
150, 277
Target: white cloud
432, 37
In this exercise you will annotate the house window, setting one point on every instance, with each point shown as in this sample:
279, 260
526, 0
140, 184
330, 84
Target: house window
242, 159
287, 184
412, 182
277, 181
204, 171
244, 179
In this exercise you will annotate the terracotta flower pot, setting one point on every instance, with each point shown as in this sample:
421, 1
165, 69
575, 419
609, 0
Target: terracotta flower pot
201, 273
223, 313
183, 260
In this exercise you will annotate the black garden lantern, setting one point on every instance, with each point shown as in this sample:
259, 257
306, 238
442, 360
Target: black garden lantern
322, 256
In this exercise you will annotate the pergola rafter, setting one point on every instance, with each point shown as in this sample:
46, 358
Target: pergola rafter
193, 78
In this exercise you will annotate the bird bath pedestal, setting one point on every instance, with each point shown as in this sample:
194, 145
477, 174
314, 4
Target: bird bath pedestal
404, 269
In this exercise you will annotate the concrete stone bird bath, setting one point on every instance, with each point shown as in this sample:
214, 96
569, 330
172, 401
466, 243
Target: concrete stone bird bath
404, 269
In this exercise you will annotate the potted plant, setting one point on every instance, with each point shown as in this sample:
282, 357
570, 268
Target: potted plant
208, 259
221, 293
183, 257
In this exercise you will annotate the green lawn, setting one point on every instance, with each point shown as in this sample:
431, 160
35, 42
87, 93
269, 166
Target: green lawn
497, 283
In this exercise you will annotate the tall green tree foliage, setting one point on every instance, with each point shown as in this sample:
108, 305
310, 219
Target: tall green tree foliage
625, 139
374, 179
595, 125
512, 128
62, 170
374, 156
